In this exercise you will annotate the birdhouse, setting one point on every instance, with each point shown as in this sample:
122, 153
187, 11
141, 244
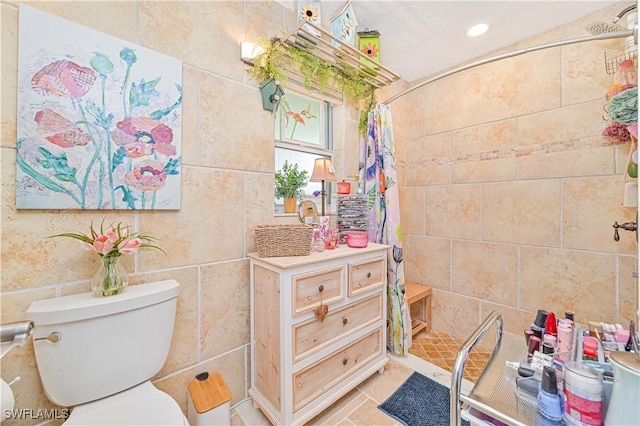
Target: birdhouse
310, 11
271, 94
369, 45
343, 25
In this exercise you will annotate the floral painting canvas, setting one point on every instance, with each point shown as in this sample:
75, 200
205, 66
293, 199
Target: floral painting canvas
99, 120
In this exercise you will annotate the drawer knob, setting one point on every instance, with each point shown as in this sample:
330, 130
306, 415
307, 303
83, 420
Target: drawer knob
368, 274
344, 361
321, 288
309, 298
345, 321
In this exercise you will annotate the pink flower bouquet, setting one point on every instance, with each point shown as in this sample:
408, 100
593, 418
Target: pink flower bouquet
111, 278
114, 241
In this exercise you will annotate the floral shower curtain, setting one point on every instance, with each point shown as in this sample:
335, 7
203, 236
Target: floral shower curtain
378, 171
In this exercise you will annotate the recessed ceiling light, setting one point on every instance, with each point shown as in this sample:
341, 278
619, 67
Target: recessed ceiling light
477, 30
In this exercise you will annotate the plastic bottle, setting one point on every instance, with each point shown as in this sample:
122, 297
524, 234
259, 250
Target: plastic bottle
628, 73
549, 401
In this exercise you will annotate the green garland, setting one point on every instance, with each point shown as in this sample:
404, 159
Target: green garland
279, 56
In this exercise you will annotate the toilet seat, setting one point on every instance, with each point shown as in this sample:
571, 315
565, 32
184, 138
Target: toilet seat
143, 404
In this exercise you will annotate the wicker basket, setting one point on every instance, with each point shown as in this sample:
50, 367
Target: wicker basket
283, 240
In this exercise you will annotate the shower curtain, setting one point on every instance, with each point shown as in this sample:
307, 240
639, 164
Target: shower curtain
378, 171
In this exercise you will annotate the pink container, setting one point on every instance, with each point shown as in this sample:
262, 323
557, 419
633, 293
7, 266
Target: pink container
357, 239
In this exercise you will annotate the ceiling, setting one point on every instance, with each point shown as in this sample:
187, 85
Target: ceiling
421, 38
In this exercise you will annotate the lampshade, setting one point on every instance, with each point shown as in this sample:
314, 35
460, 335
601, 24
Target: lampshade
323, 171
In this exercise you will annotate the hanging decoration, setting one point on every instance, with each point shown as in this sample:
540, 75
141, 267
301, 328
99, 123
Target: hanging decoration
310, 11
278, 57
343, 25
369, 44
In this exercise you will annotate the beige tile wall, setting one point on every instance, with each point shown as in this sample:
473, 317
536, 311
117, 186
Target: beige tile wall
227, 188
509, 191
499, 199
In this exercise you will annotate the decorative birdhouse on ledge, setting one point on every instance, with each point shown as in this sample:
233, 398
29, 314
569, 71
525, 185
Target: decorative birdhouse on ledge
369, 45
343, 25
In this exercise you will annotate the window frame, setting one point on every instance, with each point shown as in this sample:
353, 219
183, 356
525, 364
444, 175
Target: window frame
324, 149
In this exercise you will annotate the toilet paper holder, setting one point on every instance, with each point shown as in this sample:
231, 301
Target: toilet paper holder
14, 335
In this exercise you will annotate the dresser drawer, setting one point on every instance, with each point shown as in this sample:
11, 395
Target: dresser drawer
324, 284
316, 379
366, 275
313, 335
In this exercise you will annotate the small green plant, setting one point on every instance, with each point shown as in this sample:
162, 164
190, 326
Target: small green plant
290, 181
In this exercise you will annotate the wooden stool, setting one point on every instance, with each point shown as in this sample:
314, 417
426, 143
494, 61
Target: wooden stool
421, 312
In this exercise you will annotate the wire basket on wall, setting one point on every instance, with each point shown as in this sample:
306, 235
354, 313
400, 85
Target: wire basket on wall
613, 57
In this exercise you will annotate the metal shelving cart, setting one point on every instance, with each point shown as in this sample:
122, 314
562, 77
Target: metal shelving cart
495, 394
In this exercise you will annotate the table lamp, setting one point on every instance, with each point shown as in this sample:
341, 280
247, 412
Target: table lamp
323, 172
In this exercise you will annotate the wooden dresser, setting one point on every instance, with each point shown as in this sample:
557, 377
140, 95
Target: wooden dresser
299, 364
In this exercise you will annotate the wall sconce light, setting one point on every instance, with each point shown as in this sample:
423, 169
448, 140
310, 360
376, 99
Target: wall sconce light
323, 172
249, 51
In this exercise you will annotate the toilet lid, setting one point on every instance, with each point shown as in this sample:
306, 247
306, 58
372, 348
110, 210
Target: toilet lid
141, 405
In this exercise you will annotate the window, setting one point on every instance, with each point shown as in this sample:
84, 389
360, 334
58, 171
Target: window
303, 133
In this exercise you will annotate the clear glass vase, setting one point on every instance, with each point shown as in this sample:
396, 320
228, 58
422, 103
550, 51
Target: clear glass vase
111, 278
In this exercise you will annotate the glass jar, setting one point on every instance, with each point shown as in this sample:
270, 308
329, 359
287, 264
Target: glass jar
317, 241
111, 278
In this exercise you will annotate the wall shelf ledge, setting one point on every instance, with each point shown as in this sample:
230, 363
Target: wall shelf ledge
316, 41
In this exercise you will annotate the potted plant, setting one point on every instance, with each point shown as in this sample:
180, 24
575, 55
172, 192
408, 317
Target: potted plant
289, 183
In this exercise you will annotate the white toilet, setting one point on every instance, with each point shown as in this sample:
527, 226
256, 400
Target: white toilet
98, 354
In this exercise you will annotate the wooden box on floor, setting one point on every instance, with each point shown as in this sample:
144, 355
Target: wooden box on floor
301, 364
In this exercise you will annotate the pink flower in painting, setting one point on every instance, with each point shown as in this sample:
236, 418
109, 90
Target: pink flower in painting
135, 147
63, 78
129, 245
59, 130
148, 176
140, 136
296, 116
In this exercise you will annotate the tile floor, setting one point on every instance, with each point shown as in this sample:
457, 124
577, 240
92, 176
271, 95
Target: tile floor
360, 406
441, 349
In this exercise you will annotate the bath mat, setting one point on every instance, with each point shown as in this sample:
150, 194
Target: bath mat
419, 401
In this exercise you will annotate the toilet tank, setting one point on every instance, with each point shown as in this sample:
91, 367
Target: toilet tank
90, 347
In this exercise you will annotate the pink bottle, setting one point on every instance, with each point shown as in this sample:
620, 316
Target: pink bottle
629, 74
565, 340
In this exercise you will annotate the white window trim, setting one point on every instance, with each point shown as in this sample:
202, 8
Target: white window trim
326, 133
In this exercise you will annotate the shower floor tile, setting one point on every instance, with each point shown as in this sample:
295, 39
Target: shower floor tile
440, 349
